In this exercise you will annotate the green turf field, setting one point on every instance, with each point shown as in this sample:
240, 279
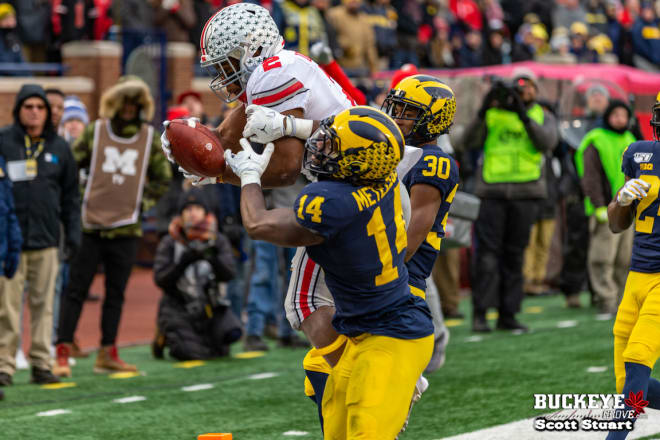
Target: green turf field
484, 383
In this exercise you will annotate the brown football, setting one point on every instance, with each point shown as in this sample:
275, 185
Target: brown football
196, 148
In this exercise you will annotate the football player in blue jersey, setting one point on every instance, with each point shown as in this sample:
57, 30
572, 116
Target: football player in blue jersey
423, 107
637, 326
352, 224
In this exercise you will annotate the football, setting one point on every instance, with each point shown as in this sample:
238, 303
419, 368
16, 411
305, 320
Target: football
196, 148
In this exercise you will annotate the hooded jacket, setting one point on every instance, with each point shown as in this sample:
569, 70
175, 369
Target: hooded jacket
52, 196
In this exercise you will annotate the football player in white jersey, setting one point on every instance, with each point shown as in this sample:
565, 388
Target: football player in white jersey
242, 48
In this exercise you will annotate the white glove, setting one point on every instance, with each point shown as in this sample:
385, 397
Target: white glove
248, 165
634, 189
198, 180
264, 125
165, 143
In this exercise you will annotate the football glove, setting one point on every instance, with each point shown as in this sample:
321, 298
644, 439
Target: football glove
248, 165
634, 189
198, 180
266, 125
165, 142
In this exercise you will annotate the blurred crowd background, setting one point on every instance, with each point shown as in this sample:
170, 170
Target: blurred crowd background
584, 58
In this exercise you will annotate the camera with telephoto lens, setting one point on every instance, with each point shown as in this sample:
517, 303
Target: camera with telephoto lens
503, 93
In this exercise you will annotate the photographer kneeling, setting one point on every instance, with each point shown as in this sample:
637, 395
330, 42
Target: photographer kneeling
515, 134
193, 320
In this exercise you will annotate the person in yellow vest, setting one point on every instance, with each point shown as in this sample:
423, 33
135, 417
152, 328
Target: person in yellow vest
515, 133
598, 164
126, 174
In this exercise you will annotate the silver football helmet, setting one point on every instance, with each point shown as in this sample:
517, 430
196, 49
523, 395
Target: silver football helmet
235, 40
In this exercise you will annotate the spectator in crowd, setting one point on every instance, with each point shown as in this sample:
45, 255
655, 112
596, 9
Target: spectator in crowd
514, 132
596, 16
531, 41
45, 179
470, 54
497, 49
560, 45
355, 37
34, 28
135, 15
74, 119
598, 163
613, 29
56, 101
409, 20
579, 33
537, 253
175, 17
127, 174
383, 19
10, 43
573, 275
646, 38
440, 53
304, 26
192, 101
568, 12
72, 20
194, 322
10, 233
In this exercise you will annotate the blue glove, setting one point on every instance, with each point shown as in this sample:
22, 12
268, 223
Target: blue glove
11, 263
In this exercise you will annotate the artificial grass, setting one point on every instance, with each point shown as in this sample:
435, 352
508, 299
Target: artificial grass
484, 383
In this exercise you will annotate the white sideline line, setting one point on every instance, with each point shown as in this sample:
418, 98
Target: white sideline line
474, 338
130, 399
198, 387
596, 369
262, 376
524, 429
566, 324
53, 412
296, 433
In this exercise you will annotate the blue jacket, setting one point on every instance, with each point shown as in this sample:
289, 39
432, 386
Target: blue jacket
10, 233
646, 39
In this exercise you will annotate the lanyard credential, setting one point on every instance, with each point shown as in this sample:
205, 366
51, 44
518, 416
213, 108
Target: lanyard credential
31, 157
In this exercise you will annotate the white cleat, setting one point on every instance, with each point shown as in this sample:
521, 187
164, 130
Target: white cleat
21, 360
421, 386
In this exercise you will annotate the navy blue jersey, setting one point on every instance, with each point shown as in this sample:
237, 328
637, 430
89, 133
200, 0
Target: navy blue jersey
438, 169
362, 256
642, 160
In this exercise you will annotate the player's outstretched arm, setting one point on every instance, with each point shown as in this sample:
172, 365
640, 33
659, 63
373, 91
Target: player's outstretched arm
285, 164
277, 226
620, 211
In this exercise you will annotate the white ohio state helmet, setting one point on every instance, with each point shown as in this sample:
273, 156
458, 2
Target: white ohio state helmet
244, 33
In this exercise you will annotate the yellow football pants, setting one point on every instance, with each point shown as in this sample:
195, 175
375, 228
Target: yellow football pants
368, 392
637, 326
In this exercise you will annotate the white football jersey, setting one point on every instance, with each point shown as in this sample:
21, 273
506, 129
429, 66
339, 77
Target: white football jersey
291, 80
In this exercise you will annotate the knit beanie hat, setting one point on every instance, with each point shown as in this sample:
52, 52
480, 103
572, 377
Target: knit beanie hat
74, 109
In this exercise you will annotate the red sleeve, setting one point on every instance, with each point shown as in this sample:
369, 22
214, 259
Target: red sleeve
335, 72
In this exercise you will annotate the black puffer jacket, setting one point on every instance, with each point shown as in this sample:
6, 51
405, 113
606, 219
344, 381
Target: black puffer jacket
53, 196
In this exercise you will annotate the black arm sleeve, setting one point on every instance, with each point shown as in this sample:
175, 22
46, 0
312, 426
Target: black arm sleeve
223, 264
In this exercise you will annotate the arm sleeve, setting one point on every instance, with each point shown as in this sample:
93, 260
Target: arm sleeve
223, 264
70, 198
321, 210
82, 148
544, 137
592, 180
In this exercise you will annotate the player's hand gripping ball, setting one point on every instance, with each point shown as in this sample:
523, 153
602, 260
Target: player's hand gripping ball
193, 146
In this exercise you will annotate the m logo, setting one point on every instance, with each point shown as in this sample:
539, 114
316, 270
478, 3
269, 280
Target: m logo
642, 157
116, 162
